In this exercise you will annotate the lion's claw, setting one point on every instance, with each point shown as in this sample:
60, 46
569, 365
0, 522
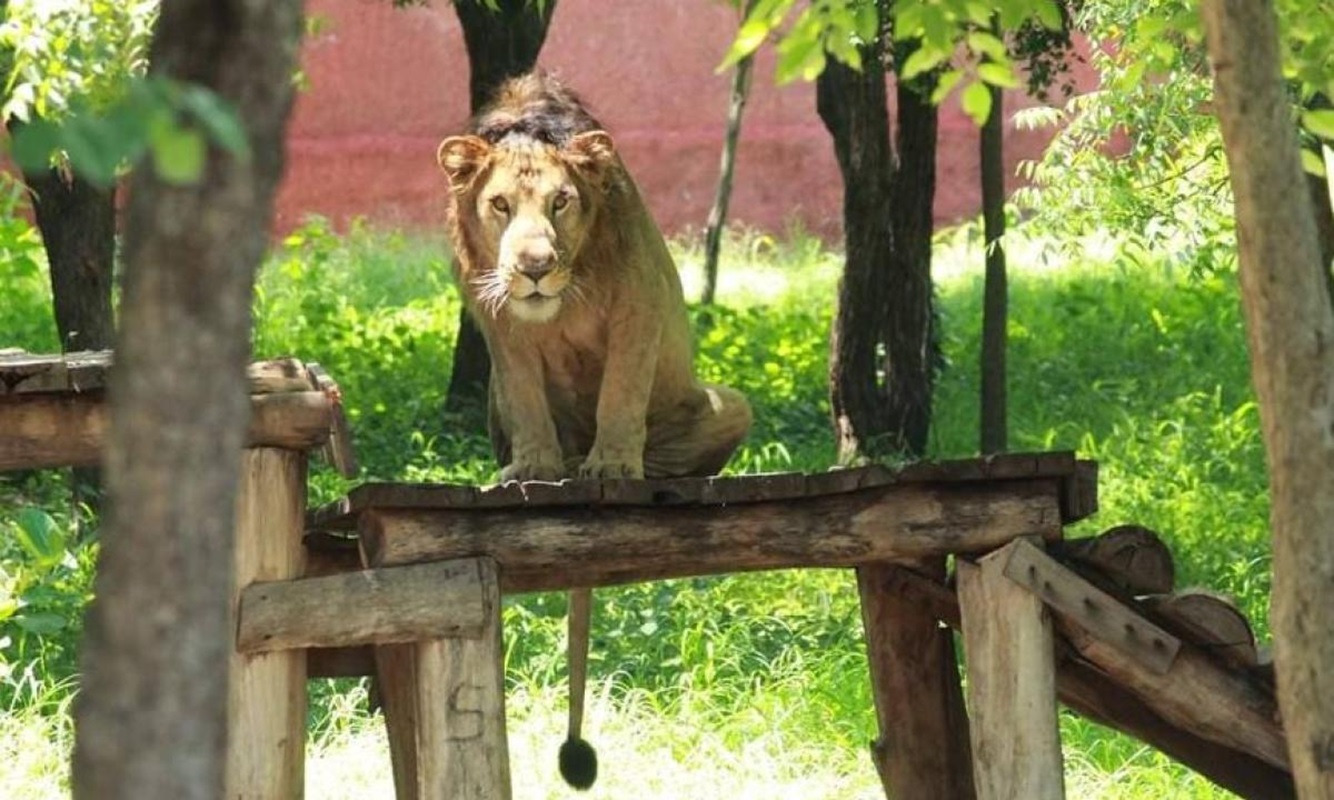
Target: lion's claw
597, 468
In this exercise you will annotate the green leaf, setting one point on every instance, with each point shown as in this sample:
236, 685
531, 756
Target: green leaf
178, 153
40, 536
976, 102
752, 34
946, 83
1048, 14
1313, 163
1319, 122
998, 75
42, 623
34, 143
989, 45
923, 59
218, 119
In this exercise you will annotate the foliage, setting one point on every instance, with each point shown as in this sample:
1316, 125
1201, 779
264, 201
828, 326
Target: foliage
25, 316
1130, 362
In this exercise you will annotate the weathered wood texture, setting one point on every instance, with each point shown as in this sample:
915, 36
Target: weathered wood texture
1094, 694
378, 606
923, 749
1010, 652
53, 410
267, 693
1110, 621
1211, 622
445, 707
563, 547
1131, 558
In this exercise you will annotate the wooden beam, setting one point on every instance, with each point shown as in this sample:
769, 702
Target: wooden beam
1009, 649
444, 704
377, 606
923, 749
561, 548
267, 695
40, 431
1093, 609
1094, 694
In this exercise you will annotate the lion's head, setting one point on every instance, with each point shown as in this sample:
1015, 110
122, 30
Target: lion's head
523, 209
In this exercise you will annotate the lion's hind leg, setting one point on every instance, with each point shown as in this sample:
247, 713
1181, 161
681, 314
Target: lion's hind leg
698, 440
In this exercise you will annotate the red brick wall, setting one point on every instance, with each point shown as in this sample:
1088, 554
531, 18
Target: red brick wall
385, 85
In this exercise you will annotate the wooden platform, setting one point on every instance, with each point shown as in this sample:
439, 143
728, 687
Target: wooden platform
603, 532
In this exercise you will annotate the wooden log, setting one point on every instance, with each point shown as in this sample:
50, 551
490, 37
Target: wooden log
292, 420
1093, 609
38, 431
1130, 558
542, 549
42, 431
445, 706
338, 450
1211, 622
1009, 649
267, 693
1095, 695
377, 606
1196, 694
87, 370
923, 750
278, 376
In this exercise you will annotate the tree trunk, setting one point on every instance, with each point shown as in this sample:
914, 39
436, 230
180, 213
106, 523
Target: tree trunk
912, 352
77, 221
713, 232
994, 432
152, 709
1290, 327
853, 107
502, 43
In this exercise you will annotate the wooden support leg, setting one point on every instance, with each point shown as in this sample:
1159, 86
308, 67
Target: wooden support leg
444, 702
923, 747
1010, 654
266, 733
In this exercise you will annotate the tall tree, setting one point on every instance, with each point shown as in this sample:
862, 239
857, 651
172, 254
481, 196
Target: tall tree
503, 40
883, 344
1290, 327
713, 230
995, 300
151, 715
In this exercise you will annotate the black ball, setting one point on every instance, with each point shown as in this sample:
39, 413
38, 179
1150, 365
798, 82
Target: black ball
578, 763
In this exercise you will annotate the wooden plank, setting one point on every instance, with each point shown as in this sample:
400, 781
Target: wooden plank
1131, 558
267, 691
1093, 609
1009, 649
338, 451
397, 680
89, 370
462, 747
1079, 492
923, 749
39, 431
376, 606
1196, 694
560, 548
42, 431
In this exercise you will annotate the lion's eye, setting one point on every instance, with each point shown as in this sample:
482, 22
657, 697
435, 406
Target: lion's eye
501, 205
560, 201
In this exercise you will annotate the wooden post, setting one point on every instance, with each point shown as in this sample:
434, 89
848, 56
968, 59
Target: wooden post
267, 697
444, 705
923, 747
1010, 654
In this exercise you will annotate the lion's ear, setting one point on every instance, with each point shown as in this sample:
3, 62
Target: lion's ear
592, 151
461, 157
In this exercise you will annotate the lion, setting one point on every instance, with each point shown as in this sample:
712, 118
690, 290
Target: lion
572, 286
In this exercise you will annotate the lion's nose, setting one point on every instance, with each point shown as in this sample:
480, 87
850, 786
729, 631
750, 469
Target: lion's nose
535, 271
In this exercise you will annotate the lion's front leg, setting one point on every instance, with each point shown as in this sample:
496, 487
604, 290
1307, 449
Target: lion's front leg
524, 416
623, 400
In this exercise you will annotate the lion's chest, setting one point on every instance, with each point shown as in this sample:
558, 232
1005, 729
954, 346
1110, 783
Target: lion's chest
573, 360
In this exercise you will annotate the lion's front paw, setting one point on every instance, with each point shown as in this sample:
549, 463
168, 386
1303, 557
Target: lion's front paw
612, 466
533, 469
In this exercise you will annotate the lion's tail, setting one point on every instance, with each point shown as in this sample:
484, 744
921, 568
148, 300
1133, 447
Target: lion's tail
578, 759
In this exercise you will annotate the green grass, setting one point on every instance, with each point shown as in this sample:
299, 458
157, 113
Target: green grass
746, 686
